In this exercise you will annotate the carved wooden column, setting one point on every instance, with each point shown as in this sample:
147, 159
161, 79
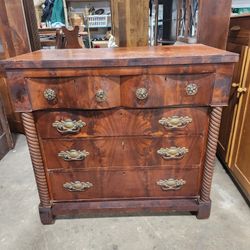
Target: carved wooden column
214, 127
38, 166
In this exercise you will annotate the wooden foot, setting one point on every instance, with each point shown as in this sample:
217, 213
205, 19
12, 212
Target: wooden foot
46, 215
203, 210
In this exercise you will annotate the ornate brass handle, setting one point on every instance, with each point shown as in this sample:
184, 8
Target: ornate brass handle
68, 126
175, 122
77, 186
101, 95
172, 152
141, 93
192, 89
49, 94
171, 184
73, 155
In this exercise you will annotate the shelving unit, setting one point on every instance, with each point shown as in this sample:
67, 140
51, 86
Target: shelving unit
96, 25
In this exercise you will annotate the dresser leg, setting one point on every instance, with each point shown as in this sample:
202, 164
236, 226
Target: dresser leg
204, 209
46, 215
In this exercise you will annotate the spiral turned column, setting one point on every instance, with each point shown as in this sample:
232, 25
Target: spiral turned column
36, 158
213, 135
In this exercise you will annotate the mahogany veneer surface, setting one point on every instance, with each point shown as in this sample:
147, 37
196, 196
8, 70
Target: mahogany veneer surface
125, 129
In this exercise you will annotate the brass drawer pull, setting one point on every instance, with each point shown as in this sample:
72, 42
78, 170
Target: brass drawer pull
172, 152
192, 89
73, 155
101, 95
175, 122
68, 126
49, 94
141, 93
77, 186
171, 184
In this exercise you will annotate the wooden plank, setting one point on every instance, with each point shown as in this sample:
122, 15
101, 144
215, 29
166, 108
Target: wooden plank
15, 40
130, 22
118, 57
213, 22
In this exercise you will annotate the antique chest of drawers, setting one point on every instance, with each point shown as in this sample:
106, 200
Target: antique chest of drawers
122, 130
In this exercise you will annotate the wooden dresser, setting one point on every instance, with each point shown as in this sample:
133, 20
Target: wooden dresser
122, 130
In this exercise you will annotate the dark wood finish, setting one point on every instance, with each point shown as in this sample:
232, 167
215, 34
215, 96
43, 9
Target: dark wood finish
213, 135
32, 26
123, 122
75, 92
122, 170
234, 138
36, 158
125, 206
71, 38
213, 22
128, 184
104, 57
123, 152
207, 25
6, 140
166, 90
15, 41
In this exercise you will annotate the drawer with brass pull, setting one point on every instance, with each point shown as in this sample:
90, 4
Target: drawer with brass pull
122, 122
122, 184
124, 152
159, 90
79, 92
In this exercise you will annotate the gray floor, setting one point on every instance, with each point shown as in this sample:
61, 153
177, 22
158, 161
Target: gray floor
20, 228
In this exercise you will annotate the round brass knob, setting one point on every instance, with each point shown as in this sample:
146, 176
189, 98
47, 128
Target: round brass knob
100, 95
241, 90
141, 93
49, 94
192, 89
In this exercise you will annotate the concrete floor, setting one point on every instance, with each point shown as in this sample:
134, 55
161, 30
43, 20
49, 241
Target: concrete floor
20, 227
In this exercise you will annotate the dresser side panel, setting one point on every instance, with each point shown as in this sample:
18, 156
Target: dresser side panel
19, 93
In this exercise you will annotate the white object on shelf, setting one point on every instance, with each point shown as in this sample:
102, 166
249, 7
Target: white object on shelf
98, 21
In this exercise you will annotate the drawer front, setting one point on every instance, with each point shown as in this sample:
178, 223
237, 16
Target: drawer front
96, 185
122, 122
160, 91
125, 152
82, 92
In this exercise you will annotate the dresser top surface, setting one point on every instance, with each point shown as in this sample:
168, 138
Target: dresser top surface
121, 57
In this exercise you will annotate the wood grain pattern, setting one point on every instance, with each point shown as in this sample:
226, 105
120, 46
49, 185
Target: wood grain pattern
122, 122
130, 22
214, 18
130, 207
136, 56
213, 135
122, 134
123, 152
233, 139
15, 41
166, 90
75, 93
6, 140
36, 158
123, 184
